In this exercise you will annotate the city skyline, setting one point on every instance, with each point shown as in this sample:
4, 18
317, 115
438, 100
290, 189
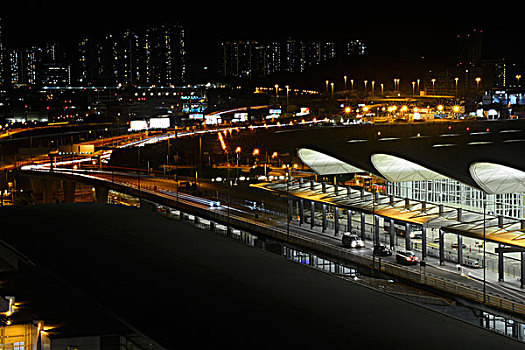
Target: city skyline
388, 29
404, 34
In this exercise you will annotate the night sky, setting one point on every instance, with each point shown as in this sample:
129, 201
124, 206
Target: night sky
411, 29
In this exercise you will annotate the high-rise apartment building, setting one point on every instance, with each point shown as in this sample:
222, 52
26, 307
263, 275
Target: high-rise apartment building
354, 48
155, 56
2, 55
253, 59
22, 65
469, 55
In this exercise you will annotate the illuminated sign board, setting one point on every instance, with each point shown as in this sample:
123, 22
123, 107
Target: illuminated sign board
196, 116
136, 125
241, 117
159, 123
275, 111
213, 119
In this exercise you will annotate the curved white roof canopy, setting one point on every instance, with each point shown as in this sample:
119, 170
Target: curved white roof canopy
496, 178
396, 169
324, 164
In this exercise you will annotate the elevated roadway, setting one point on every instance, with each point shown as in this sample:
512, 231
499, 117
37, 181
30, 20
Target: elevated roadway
164, 193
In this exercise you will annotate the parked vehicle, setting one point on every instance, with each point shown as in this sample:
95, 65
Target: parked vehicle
352, 240
382, 250
406, 257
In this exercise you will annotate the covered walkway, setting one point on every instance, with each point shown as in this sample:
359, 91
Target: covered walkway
348, 209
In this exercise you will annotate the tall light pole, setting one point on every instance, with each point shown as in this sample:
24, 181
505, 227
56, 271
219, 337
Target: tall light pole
138, 168
518, 76
345, 81
237, 153
433, 86
484, 247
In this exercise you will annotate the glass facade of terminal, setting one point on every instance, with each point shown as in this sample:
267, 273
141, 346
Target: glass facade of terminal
450, 192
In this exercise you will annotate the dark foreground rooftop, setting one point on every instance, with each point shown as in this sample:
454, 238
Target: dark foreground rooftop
180, 285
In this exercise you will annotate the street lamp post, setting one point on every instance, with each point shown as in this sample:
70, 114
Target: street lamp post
288, 208
484, 248
237, 153
138, 168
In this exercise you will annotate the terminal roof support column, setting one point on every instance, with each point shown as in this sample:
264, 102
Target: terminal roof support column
336, 221
312, 214
408, 243
324, 217
376, 230
441, 247
522, 255
363, 228
349, 220
290, 210
392, 234
500, 263
522, 279
424, 242
460, 249
301, 211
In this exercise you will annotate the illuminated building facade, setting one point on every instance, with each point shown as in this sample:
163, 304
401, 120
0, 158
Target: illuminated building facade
2, 55
452, 192
254, 59
154, 56
24, 337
